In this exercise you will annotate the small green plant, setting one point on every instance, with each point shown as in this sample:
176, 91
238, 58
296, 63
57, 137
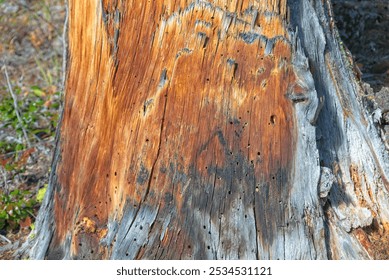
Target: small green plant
14, 208
39, 114
41, 194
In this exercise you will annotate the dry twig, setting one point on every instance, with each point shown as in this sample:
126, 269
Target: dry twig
5, 239
4, 177
16, 106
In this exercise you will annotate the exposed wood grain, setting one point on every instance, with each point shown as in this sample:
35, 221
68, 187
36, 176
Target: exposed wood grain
199, 130
196, 62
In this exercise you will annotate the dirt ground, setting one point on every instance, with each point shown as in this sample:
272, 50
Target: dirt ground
31, 53
31, 49
364, 27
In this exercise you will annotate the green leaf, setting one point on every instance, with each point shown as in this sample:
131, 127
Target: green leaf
15, 193
32, 108
37, 91
25, 192
55, 105
9, 167
3, 215
41, 194
19, 147
40, 131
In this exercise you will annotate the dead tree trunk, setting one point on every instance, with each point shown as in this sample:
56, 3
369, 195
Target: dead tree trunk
211, 130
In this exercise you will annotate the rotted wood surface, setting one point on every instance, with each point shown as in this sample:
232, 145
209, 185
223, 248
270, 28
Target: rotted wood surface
194, 130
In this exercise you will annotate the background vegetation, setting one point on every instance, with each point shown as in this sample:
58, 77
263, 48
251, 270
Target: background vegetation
30, 89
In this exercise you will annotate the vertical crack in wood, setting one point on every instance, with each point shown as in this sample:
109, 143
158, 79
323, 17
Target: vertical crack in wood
256, 227
160, 138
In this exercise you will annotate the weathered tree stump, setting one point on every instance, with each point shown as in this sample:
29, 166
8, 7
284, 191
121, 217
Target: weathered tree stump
211, 130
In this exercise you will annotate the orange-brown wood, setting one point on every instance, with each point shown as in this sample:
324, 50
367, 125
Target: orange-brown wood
178, 105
